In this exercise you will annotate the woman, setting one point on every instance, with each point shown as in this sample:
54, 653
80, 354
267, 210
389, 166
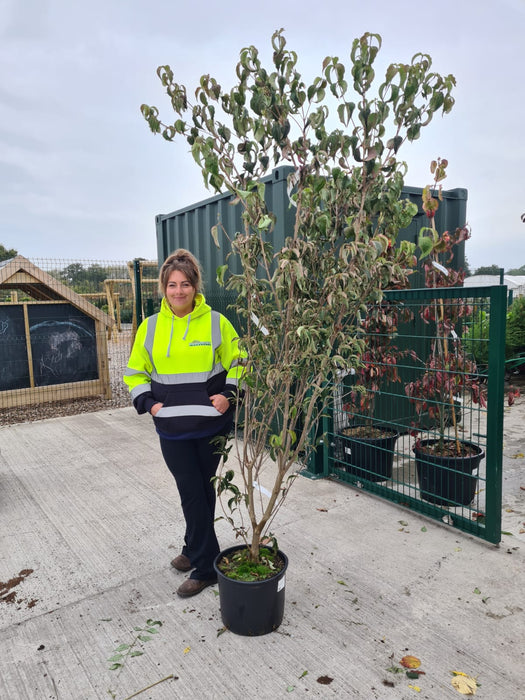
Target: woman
184, 369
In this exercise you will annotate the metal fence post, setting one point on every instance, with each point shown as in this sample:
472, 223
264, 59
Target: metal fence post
495, 394
137, 274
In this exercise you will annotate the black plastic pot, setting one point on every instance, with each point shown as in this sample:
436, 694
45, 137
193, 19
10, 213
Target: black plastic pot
368, 458
447, 481
251, 608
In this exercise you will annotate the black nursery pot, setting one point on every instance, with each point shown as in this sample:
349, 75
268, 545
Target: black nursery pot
447, 481
251, 608
369, 458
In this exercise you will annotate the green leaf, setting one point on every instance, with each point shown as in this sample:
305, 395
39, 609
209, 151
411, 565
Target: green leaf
413, 674
411, 208
114, 667
477, 591
221, 271
265, 222
137, 653
116, 657
394, 143
425, 245
122, 647
215, 235
144, 638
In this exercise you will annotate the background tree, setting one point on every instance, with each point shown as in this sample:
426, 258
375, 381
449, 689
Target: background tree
301, 303
517, 271
6, 254
488, 270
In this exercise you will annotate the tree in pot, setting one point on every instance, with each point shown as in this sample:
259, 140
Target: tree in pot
301, 300
445, 463
367, 446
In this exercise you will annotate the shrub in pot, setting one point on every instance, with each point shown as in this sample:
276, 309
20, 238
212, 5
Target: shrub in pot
445, 464
301, 302
366, 446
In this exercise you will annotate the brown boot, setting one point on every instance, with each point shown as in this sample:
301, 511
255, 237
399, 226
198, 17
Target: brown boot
182, 563
192, 586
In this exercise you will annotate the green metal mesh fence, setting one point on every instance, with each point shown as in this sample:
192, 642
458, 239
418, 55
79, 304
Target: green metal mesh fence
421, 422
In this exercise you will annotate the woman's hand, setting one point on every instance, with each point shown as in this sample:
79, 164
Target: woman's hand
155, 408
220, 403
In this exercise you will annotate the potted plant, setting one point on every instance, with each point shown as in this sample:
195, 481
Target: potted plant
445, 464
300, 301
366, 445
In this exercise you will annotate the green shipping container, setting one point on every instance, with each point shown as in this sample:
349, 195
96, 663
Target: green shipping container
191, 226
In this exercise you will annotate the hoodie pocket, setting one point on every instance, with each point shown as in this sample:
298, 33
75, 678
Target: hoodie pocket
188, 401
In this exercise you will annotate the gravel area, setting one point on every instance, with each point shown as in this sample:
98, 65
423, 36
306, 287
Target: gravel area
118, 353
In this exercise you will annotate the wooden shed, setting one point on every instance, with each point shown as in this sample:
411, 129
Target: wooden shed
53, 346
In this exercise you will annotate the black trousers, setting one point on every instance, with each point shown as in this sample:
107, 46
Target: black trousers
193, 463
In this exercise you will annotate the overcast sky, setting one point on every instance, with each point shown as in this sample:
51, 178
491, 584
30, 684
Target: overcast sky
82, 177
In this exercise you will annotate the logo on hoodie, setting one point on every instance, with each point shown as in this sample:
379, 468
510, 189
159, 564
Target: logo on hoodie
195, 343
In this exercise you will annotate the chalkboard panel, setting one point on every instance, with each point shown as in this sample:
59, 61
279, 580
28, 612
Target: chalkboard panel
14, 366
63, 344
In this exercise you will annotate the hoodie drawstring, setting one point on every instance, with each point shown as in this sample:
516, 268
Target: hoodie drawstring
171, 332
187, 327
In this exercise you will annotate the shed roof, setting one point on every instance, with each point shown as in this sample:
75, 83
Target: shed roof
19, 273
512, 281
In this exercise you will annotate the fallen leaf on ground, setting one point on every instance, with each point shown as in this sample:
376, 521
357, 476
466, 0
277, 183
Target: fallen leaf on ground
466, 685
519, 455
414, 674
187, 650
324, 680
415, 687
410, 662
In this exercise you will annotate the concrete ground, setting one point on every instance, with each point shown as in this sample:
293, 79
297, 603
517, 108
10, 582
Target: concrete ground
90, 518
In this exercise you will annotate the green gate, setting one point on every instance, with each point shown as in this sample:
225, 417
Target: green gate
466, 494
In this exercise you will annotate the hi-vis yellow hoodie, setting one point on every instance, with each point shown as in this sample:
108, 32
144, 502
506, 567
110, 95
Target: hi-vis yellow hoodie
181, 362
